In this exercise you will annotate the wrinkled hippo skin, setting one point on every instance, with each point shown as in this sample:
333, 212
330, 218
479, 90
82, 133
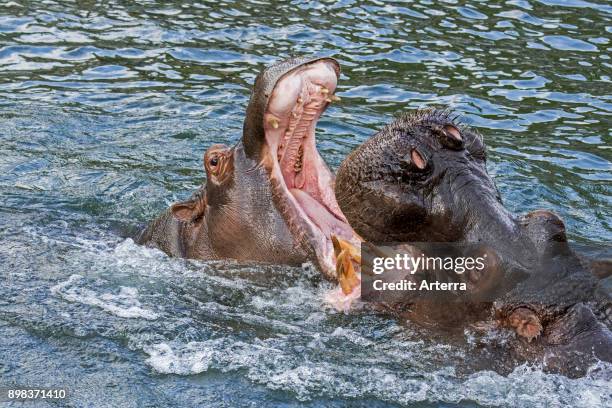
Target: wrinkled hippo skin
232, 218
270, 197
423, 178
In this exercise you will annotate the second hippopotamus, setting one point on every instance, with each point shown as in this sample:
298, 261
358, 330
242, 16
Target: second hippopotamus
423, 179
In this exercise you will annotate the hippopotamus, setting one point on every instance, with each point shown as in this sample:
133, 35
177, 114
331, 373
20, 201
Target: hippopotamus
270, 197
423, 178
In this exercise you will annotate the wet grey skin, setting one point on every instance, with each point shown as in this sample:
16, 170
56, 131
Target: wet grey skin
423, 178
260, 196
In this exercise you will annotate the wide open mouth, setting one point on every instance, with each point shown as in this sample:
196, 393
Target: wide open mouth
303, 184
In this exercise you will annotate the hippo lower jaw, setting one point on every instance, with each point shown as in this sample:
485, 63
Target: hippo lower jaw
302, 184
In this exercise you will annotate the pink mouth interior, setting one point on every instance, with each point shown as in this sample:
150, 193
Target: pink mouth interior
293, 110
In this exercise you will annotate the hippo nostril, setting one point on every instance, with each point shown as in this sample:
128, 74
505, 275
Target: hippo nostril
450, 137
415, 160
418, 160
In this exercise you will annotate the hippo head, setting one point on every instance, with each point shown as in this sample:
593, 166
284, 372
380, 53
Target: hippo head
270, 197
279, 136
423, 178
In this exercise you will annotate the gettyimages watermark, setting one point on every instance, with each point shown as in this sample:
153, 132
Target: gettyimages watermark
480, 272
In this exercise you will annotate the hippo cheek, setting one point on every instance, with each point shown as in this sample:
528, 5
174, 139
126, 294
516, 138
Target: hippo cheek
301, 182
386, 213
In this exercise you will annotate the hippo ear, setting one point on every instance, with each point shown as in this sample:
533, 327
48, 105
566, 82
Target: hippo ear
188, 211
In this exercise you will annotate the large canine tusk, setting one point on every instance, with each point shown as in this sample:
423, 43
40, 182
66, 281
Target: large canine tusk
346, 254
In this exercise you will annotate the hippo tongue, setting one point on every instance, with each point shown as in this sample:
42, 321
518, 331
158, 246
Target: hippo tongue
321, 216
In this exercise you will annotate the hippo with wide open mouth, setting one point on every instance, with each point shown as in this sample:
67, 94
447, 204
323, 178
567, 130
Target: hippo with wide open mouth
271, 196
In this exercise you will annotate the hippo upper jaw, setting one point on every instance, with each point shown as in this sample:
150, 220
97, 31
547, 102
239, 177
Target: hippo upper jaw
302, 184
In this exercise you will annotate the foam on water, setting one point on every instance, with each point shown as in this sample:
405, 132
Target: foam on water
267, 363
194, 358
123, 304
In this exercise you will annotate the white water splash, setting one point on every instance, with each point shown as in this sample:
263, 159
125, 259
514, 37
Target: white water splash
123, 304
279, 334
269, 362
194, 358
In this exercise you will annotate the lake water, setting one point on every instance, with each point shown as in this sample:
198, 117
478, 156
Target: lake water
105, 112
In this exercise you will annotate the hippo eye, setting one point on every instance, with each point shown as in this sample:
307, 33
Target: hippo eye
213, 162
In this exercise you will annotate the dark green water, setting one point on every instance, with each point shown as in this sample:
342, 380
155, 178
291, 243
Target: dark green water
105, 110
